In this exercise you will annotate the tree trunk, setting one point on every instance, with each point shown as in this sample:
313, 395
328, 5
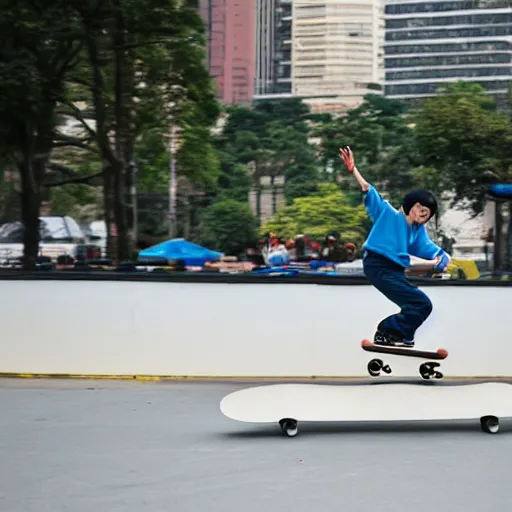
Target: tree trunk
30, 205
109, 214
124, 85
114, 183
124, 239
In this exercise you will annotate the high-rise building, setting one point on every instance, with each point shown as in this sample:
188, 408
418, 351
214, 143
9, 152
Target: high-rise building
337, 47
273, 48
435, 42
231, 57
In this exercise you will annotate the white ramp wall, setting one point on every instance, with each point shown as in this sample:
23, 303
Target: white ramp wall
236, 330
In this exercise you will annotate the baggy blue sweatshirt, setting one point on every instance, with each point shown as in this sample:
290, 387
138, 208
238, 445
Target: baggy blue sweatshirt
392, 237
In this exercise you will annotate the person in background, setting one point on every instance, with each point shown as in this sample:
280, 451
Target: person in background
275, 252
350, 249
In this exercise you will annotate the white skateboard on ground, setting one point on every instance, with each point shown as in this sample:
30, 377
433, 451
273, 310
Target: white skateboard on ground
288, 404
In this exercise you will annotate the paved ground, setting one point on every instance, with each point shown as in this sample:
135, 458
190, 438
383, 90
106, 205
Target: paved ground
109, 446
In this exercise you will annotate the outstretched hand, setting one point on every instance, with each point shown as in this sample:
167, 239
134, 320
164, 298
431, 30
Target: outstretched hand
348, 157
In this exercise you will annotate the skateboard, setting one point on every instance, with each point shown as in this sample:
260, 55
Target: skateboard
288, 404
427, 370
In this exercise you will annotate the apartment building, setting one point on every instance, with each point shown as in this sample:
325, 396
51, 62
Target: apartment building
434, 42
337, 51
231, 56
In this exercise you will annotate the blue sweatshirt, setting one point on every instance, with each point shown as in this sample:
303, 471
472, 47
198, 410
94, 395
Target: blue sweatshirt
392, 237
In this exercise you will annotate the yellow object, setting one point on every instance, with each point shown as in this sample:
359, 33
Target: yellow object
469, 268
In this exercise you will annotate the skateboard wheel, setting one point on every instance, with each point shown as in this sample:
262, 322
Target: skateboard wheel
427, 371
375, 366
289, 427
490, 424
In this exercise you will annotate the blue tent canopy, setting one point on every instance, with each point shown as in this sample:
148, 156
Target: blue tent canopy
180, 249
501, 190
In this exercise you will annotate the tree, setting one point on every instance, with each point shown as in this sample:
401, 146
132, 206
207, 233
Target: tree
228, 226
328, 210
39, 45
379, 132
272, 140
233, 181
466, 143
459, 134
144, 70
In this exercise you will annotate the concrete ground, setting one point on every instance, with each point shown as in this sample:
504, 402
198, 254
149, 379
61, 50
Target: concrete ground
122, 446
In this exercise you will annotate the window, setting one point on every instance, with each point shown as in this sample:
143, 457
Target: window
449, 60
468, 19
447, 47
484, 31
392, 90
446, 6
448, 73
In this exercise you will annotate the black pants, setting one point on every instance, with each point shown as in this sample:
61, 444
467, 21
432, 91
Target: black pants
389, 278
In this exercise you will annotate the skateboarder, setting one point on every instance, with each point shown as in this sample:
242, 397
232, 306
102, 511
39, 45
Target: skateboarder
394, 236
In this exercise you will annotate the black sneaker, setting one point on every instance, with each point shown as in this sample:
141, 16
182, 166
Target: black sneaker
388, 339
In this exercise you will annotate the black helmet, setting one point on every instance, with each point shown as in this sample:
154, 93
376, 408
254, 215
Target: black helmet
424, 197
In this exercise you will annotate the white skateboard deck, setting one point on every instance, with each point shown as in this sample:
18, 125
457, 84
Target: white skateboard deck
395, 402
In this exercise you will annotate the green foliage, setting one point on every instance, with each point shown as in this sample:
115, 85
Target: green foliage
382, 139
177, 90
228, 226
326, 211
459, 134
82, 202
196, 157
38, 48
273, 138
152, 158
234, 181
37, 45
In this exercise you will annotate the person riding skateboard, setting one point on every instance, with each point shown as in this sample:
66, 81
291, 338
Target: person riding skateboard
395, 235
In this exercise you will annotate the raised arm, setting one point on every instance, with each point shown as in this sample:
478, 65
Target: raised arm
348, 157
375, 204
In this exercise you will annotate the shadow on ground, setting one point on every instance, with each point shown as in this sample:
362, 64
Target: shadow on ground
398, 428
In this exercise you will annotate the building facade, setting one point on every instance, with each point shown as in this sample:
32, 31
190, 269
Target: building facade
337, 51
231, 56
435, 42
273, 48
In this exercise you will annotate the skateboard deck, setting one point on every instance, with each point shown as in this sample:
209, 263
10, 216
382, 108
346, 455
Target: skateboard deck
288, 404
427, 370
438, 354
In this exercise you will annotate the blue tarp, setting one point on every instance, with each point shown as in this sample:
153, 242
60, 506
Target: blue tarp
180, 249
501, 190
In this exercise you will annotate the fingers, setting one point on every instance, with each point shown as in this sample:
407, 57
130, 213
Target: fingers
346, 153
348, 157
